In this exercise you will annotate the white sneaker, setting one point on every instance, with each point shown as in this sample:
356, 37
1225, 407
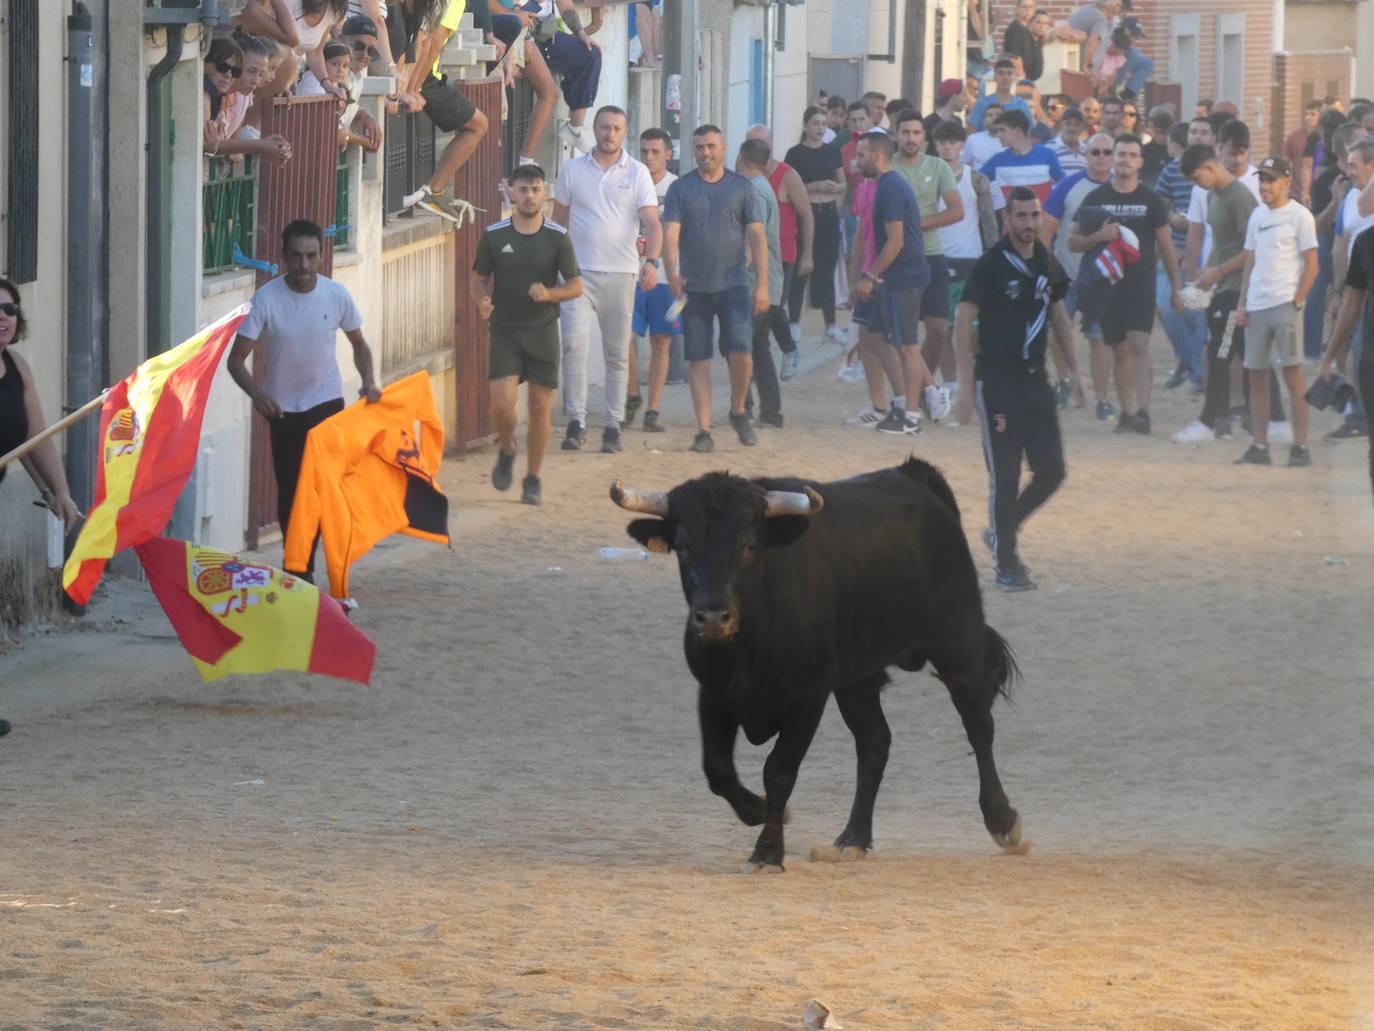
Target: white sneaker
952, 386
1280, 433
866, 416
1194, 433
790, 361
851, 372
937, 402
795, 328
837, 335
522, 160
574, 137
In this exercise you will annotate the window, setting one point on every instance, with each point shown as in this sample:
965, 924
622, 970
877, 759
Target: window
1231, 57
1183, 58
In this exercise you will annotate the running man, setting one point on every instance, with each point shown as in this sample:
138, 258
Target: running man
416, 28
712, 231
515, 284
1127, 203
296, 318
602, 197
1016, 294
1280, 268
651, 306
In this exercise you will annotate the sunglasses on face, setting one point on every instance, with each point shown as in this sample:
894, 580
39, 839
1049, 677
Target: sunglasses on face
1100, 152
9, 308
359, 47
232, 70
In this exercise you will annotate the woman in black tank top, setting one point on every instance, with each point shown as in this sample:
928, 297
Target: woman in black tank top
21, 416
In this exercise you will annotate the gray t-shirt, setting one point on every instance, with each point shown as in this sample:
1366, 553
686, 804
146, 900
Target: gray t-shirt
1228, 213
713, 248
298, 337
1094, 21
771, 221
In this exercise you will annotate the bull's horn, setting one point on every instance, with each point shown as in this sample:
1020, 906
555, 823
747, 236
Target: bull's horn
804, 502
650, 502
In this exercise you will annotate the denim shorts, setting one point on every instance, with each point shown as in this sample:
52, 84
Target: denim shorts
734, 308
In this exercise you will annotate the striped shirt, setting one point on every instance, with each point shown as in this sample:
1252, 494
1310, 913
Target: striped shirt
1177, 189
1070, 161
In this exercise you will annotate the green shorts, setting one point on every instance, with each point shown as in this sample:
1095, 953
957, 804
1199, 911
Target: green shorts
526, 352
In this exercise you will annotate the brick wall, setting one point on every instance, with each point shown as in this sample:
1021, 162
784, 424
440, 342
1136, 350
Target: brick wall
1303, 76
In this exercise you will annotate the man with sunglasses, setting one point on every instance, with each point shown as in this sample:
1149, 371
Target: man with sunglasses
1067, 145
359, 34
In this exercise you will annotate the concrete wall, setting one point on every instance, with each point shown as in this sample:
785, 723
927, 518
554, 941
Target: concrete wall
26, 586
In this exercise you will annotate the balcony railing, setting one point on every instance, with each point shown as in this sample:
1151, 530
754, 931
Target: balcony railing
409, 146
343, 202
228, 214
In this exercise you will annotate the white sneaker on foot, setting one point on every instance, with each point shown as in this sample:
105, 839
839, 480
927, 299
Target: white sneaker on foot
866, 416
1194, 433
795, 329
1280, 433
937, 402
836, 334
790, 361
574, 136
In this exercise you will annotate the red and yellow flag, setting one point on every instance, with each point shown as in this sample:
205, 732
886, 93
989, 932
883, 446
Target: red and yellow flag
149, 439
236, 616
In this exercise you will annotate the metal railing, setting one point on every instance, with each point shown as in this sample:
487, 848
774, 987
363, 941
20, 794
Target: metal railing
343, 202
409, 158
228, 217
519, 104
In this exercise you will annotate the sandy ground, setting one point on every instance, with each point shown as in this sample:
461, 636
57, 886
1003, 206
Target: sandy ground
509, 828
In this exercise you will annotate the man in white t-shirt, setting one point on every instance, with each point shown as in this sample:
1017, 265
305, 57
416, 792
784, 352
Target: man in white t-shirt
295, 319
980, 146
1280, 268
602, 197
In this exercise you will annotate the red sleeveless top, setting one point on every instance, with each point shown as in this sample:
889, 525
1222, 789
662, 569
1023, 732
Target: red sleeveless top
787, 215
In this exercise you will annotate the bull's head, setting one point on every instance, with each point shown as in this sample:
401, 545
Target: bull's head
721, 528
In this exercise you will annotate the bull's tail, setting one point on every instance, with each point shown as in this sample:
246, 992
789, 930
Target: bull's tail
999, 664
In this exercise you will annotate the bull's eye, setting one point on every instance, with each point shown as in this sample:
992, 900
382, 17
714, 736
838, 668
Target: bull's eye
750, 547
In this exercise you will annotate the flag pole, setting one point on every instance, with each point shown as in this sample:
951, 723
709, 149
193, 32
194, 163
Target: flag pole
23, 449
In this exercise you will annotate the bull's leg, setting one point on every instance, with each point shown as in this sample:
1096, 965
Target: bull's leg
862, 708
974, 703
719, 728
779, 777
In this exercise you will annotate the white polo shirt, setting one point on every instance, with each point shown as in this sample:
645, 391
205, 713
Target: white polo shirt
603, 210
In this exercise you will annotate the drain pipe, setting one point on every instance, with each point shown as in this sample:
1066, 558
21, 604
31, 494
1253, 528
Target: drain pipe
155, 298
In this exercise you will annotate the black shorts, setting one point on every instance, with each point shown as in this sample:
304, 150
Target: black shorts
1132, 310
935, 300
896, 314
448, 107
525, 352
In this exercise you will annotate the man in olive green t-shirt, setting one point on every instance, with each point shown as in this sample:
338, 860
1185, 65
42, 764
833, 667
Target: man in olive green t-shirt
932, 182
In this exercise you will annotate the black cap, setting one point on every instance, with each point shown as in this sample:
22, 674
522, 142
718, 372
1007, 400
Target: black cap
1073, 112
359, 25
1133, 26
1274, 168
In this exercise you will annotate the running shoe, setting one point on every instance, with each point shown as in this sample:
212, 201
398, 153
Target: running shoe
574, 437
790, 362
937, 402
1347, 431
1255, 455
532, 492
575, 137
1280, 433
633, 403
1299, 457
1106, 411
610, 441
1125, 423
795, 329
1063, 393
1177, 377
651, 423
703, 443
1196, 432
501, 472
898, 422
456, 210
744, 429
837, 335
773, 422
1014, 579
851, 372
866, 416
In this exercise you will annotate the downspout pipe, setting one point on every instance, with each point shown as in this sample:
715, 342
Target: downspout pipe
155, 290
771, 14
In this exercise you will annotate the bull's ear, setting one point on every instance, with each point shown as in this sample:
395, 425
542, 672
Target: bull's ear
782, 530
652, 534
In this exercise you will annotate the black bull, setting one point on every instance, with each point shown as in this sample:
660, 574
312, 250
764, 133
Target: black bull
797, 590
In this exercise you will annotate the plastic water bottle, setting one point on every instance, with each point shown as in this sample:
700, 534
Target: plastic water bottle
622, 554
675, 309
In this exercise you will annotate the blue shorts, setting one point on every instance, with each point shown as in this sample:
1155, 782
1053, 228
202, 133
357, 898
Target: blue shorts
734, 308
897, 314
860, 311
651, 312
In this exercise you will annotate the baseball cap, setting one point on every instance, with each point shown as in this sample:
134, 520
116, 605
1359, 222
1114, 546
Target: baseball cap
1074, 113
948, 88
1274, 168
359, 25
1133, 26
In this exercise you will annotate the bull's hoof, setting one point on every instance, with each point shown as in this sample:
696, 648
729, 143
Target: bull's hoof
753, 867
1011, 841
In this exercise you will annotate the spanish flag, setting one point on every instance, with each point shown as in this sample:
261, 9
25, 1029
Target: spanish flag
149, 439
236, 616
